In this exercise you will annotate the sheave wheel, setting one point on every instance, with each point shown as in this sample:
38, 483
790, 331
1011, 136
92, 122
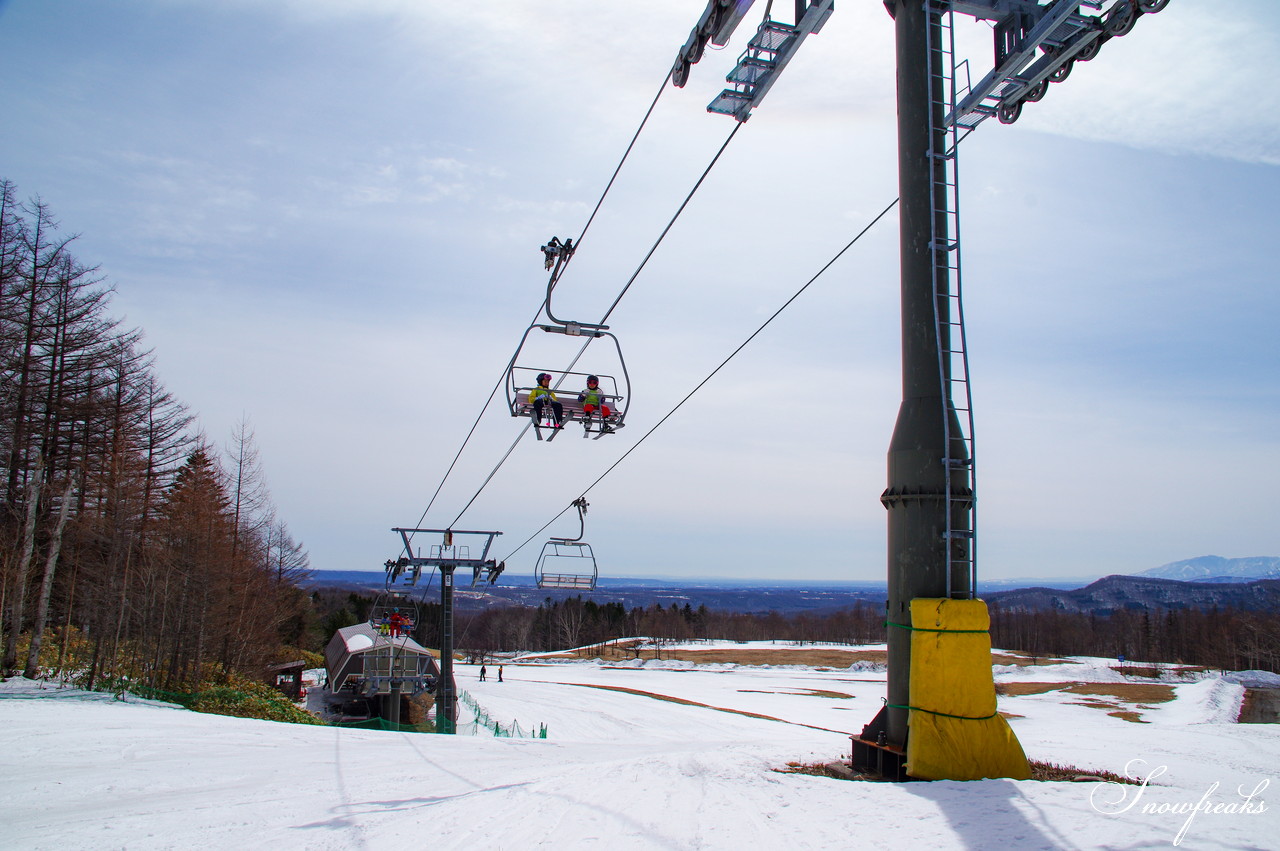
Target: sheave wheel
1009, 112
1121, 18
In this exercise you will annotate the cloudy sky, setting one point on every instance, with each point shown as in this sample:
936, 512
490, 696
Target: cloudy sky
325, 215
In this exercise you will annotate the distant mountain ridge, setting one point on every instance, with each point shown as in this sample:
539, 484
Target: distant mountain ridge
1143, 593
1218, 569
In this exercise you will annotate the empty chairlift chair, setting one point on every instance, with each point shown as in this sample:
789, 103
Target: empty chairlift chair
568, 562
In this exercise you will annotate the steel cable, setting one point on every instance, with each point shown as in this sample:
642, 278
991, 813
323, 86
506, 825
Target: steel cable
685, 203
713, 372
555, 276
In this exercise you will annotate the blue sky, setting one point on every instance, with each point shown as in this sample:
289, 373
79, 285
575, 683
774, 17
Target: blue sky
326, 217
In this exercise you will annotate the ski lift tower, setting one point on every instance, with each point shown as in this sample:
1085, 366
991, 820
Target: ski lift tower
931, 495
447, 557
930, 498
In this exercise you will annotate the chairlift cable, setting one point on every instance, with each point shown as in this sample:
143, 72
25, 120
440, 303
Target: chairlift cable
465, 441
712, 374
564, 373
670, 224
555, 277
625, 154
493, 472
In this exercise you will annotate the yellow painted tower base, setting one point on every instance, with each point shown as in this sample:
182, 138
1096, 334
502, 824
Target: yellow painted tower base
955, 732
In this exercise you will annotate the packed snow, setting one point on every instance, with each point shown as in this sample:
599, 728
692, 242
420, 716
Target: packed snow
641, 754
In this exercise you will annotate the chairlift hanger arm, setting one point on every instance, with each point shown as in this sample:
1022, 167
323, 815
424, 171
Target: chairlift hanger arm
581, 504
546, 304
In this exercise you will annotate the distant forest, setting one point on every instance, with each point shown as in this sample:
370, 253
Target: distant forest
1227, 639
130, 545
1218, 638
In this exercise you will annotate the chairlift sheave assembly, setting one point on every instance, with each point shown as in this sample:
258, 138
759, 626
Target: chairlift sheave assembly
568, 562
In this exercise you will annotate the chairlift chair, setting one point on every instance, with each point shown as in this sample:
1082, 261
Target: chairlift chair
568, 562
567, 385
524, 379
394, 614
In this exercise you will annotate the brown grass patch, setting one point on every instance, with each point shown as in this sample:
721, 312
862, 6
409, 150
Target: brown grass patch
809, 657
1026, 661
778, 656
684, 702
1127, 692
1049, 771
1149, 671
809, 692
1043, 771
1141, 694
1144, 693
1020, 689
1128, 715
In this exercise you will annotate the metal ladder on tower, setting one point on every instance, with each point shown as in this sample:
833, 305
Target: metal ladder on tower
953, 359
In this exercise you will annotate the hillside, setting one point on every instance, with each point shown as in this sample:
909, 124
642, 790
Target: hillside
1115, 593
672, 755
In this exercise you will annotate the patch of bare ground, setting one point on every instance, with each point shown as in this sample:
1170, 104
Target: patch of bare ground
1127, 692
1042, 771
1019, 689
827, 657
809, 657
809, 692
1260, 706
1023, 661
1093, 694
685, 702
1153, 672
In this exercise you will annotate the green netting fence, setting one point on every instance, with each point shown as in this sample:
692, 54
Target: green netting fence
484, 725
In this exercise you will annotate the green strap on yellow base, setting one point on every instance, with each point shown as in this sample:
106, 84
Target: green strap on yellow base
926, 629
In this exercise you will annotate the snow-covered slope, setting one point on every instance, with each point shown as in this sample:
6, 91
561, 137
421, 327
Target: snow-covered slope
646, 755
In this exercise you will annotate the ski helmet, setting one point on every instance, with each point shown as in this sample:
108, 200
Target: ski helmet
544, 376
591, 379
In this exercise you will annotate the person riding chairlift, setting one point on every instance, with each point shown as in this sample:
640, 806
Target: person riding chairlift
592, 399
541, 395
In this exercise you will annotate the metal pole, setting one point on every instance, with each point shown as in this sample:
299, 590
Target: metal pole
916, 497
447, 691
393, 710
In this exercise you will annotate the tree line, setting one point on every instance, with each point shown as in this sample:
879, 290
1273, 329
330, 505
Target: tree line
574, 622
1226, 639
130, 545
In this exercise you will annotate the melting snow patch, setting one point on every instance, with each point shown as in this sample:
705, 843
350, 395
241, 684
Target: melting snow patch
1214, 701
